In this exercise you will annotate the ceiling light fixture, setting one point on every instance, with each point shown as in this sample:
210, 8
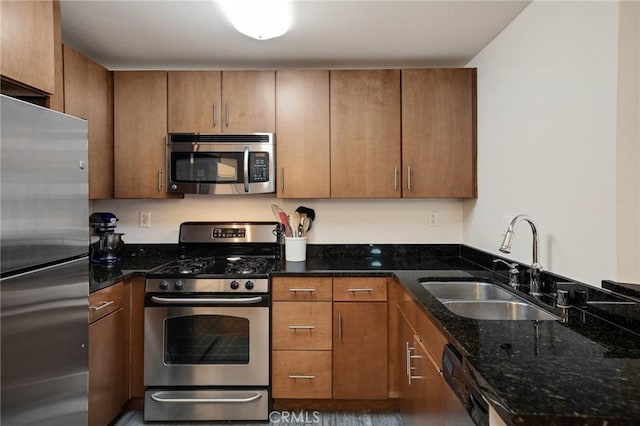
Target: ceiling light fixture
259, 19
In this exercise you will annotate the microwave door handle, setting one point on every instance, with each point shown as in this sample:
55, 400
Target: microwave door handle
246, 169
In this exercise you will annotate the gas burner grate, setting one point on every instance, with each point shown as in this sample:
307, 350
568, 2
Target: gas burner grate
243, 266
189, 266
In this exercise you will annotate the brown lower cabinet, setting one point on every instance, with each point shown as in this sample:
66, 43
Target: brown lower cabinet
329, 338
425, 396
108, 354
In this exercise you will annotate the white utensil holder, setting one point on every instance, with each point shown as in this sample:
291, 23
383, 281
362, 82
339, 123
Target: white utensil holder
295, 249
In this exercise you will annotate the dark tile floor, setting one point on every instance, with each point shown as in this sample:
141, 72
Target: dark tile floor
319, 418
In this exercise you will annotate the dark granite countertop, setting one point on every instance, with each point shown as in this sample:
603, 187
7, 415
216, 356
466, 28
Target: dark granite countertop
136, 259
585, 371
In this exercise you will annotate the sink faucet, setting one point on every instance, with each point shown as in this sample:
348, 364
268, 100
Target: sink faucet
534, 287
514, 273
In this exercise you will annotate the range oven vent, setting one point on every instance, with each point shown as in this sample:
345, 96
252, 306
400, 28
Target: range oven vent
234, 138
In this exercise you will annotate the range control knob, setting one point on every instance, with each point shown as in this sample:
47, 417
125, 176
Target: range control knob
178, 285
248, 285
234, 285
164, 284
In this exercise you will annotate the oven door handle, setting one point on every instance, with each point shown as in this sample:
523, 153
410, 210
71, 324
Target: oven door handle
206, 300
156, 397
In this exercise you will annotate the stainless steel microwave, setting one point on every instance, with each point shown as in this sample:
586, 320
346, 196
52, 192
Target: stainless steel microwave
220, 163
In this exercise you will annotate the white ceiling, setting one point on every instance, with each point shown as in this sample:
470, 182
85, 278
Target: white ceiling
178, 34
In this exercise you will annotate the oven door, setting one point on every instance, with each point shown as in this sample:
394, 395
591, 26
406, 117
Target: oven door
204, 342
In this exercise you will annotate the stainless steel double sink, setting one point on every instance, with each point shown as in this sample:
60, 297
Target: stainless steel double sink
485, 301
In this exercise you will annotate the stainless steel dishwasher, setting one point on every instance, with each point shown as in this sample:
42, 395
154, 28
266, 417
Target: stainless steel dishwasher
465, 405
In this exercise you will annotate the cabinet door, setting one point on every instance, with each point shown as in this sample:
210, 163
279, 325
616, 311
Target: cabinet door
360, 350
194, 101
108, 388
404, 350
140, 132
56, 100
365, 134
28, 43
439, 132
248, 99
88, 94
302, 130
427, 387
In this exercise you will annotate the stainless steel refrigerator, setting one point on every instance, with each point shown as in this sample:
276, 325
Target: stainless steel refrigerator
44, 286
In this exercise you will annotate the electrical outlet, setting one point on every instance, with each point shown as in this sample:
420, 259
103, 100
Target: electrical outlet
144, 221
433, 219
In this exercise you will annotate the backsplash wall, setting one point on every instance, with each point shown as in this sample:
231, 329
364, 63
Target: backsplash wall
337, 221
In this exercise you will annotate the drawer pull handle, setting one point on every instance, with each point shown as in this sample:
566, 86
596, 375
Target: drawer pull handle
158, 397
302, 327
302, 290
359, 290
102, 305
295, 377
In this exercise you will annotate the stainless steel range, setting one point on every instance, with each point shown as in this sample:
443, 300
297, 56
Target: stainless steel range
207, 325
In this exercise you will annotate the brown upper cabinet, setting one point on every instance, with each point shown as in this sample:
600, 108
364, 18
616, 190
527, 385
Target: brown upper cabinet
365, 134
215, 101
439, 132
302, 132
140, 132
28, 43
194, 103
88, 94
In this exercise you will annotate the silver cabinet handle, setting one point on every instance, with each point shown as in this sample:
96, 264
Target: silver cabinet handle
395, 178
102, 305
158, 398
226, 114
302, 290
359, 290
160, 179
282, 179
205, 300
246, 169
408, 350
295, 376
409, 178
215, 115
339, 326
302, 327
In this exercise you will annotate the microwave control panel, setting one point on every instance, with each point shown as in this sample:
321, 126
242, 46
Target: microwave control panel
259, 167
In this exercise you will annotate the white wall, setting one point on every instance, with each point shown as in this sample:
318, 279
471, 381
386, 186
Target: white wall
628, 185
547, 138
337, 221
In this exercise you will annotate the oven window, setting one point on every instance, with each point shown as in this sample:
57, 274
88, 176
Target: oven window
206, 167
206, 339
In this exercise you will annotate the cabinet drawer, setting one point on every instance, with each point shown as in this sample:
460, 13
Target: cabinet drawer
360, 289
301, 374
305, 289
301, 325
105, 301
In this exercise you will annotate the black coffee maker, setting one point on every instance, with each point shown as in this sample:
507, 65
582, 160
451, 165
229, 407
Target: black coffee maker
105, 242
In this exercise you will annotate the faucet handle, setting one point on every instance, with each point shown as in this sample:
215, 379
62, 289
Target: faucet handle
514, 272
